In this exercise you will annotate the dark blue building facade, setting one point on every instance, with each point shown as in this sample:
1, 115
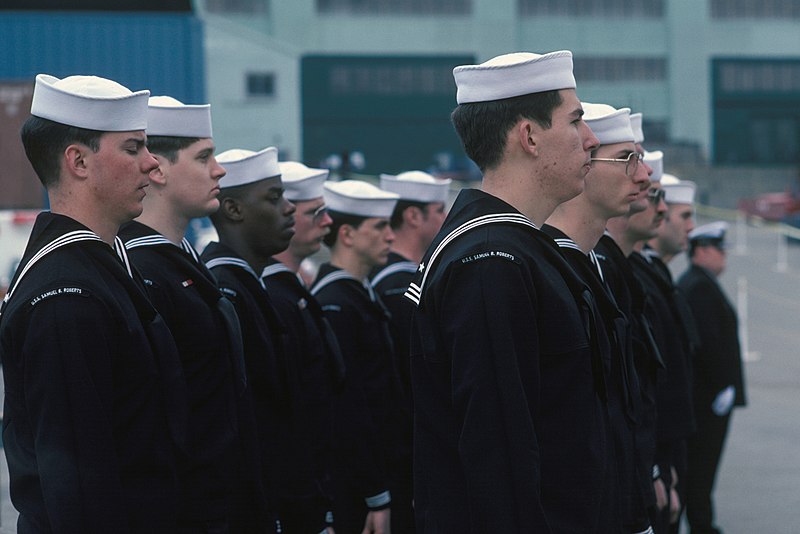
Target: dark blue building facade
159, 51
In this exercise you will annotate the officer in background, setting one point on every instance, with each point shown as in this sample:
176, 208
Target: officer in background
511, 432
205, 327
718, 377
93, 390
616, 180
359, 241
253, 222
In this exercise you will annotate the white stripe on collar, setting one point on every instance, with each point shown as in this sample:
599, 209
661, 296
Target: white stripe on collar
596, 263
340, 275
274, 269
414, 292
566, 242
233, 262
148, 241
394, 268
66, 239
650, 253
277, 268
158, 239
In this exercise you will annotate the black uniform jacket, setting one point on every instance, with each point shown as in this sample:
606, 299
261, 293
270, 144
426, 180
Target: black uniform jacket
272, 383
360, 323
717, 362
624, 396
668, 316
391, 282
630, 297
93, 404
313, 353
511, 430
206, 332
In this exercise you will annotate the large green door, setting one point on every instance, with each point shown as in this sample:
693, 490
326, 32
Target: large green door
393, 110
756, 111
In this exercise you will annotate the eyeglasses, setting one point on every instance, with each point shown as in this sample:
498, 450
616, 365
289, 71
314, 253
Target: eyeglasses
631, 162
319, 213
656, 196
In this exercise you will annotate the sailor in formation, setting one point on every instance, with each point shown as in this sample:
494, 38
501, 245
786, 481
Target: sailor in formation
525, 363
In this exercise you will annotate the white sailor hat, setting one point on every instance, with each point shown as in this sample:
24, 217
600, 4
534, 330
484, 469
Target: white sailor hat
89, 102
244, 167
301, 182
709, 234
416, 186
677, 191
655, 160
509, 75
172, 118
636, 126
362, 199
609, 125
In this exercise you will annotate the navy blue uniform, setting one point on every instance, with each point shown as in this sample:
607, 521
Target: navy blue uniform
271, 380
312, 349
390, 282
716, 364
360, 323
206, 332
673, 333
93, 403
630, 297
511, 432
624, 396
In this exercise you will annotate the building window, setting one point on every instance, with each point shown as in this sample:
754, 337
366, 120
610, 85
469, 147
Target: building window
591, 8
766, 9
757, 111
395, 7
615, 69
748, 77
247, 7
391, 80
260, 84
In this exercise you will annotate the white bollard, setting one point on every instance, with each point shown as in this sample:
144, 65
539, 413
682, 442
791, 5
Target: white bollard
783, 253
744, 334
741, 233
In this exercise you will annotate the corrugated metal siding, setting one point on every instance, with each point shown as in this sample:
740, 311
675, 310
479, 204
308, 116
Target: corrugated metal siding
156, 51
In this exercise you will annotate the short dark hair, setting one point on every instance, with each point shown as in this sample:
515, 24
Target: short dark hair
484, 126
236, 192
45, 140
396, 220
340, 219
169, 147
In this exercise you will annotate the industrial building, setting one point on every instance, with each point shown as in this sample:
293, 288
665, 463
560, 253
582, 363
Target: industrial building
718, 81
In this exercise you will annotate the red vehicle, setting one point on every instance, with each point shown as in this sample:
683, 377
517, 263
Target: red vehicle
770, 206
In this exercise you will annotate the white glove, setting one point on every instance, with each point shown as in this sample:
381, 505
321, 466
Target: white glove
723, 403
